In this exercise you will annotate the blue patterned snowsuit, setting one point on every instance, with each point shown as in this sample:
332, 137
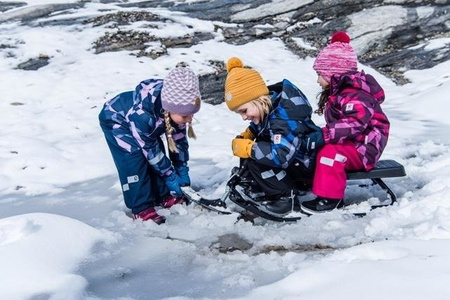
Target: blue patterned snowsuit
133, 123
286, 141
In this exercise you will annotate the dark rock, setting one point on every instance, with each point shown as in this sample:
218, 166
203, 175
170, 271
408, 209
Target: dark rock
123, 40
231, 242
128, 40
392, 44
27, 13
389, 50
5, 46
123, 18
149, 4
218, 10
187, 40
212, 85
148, 45
4, 6
34, 64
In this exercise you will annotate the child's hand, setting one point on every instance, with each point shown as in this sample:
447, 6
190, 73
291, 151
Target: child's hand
183, 174
311, 142
242, 147
173, 183
247, 134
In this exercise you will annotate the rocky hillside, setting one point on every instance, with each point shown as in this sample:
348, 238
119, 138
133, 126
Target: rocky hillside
392, 36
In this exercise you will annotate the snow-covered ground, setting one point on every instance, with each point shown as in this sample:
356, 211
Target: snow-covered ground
64, 229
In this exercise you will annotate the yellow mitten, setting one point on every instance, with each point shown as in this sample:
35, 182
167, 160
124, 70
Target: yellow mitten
242, 147
247, 134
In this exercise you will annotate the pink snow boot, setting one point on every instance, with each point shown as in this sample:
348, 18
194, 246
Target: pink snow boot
150, 214
170, 201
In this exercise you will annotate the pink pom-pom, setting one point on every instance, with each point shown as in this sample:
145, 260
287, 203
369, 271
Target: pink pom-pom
340, 36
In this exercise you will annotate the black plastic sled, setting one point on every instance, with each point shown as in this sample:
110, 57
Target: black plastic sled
243, 191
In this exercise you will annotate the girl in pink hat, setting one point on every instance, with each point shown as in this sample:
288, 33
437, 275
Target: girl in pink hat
356, 130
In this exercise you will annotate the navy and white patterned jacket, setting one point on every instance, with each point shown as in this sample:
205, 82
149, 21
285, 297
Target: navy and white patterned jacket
136, 121
287, 133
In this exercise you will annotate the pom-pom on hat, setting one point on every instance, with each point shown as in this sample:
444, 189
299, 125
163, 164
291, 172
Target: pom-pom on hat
180, 93
242, 84
337, 58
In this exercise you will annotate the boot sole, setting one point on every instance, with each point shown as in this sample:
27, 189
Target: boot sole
316, 212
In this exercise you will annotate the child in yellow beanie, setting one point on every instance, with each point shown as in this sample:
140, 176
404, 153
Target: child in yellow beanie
281, 141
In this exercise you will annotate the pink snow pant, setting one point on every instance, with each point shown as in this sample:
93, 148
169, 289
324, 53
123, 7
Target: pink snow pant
333, 160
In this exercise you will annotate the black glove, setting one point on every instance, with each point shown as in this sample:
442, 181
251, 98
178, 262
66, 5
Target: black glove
312, 141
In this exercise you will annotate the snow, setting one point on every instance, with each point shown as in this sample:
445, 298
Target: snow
64, 229
39, 254
302, 44
339, 275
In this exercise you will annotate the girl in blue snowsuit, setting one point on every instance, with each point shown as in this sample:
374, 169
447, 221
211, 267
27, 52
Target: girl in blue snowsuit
133, 123
281, 142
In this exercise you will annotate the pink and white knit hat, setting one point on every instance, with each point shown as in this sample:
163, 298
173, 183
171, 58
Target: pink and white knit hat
180, 93
337, 58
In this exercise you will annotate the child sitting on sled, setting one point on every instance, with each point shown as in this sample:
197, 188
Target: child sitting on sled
281, 141
356, 130
133, 123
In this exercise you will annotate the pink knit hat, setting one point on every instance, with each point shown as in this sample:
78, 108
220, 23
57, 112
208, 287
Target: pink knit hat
337, 58
180, 93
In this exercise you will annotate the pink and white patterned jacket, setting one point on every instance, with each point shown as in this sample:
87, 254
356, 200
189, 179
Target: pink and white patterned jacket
353, 113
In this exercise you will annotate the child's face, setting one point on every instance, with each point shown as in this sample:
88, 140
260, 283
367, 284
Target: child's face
322, 82
249, 112
181, 120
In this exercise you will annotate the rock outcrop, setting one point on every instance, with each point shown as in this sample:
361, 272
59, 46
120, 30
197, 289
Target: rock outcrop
392, 36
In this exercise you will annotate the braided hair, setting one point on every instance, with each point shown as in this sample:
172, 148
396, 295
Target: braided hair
169, 129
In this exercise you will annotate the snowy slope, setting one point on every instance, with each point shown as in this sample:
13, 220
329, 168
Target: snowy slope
64, 230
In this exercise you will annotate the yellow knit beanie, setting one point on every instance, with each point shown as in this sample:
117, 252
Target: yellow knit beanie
242, 85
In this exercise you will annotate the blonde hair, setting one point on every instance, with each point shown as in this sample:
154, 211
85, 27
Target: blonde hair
264, 105
169, 129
